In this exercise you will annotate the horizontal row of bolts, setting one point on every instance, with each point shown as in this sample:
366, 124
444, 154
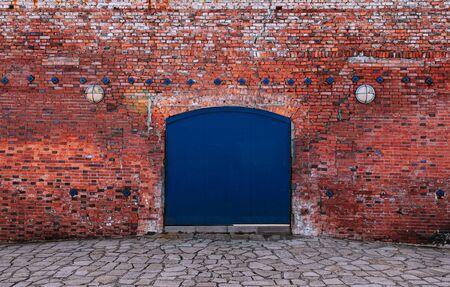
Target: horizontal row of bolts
439, 193
127, 192
73, 192
218, 81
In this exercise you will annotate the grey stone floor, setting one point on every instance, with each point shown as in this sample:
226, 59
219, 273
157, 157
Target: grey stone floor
221, 260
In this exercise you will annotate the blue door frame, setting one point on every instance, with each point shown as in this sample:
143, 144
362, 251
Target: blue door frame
228, 165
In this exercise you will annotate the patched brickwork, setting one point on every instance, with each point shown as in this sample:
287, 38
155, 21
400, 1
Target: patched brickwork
380, 164
226, 4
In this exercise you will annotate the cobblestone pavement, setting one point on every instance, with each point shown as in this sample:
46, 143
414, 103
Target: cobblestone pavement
221, 260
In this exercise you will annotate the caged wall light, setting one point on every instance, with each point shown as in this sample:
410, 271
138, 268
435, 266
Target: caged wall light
365, 94
94, 94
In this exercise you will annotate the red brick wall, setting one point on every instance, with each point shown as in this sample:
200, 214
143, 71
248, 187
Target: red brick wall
227, 4
383, 161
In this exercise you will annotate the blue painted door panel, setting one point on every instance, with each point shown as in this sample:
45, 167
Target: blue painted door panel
226, 166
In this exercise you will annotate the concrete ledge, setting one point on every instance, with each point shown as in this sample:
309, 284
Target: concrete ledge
182, 229
252, 229
211, 229
243, 229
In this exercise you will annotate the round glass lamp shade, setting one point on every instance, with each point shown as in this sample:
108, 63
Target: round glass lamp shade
94, 94
365, 94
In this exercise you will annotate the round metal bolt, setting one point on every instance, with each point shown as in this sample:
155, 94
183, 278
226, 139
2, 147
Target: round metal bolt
55, 80
106, 81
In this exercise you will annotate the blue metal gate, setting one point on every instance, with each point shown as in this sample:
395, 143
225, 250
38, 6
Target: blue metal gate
227, 165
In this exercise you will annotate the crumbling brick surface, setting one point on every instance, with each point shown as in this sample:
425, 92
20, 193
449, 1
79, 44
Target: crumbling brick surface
225, 4
383, 162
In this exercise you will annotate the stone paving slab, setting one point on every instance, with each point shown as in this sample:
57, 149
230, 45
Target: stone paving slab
222, 260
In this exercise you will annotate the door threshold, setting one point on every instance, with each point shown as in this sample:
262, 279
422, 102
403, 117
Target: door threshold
235, 228
258, 225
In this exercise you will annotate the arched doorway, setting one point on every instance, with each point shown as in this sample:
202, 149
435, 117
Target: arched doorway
227, 165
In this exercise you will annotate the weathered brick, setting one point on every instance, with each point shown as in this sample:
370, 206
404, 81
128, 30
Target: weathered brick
383, 161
